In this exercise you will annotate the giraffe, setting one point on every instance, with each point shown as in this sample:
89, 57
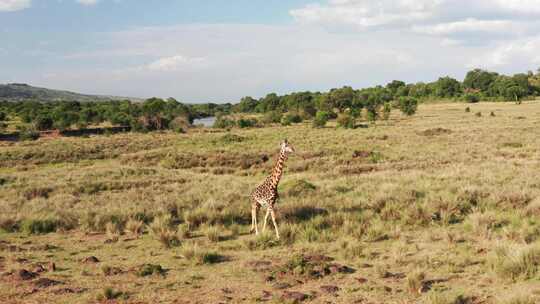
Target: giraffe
265, 194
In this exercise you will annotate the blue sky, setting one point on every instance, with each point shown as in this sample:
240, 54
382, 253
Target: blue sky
221, 50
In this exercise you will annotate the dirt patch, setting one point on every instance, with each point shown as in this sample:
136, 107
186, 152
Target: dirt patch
24, 275
69, 290
218, 159
356, 170
46, 283
308, 267
90, 260
294, 297
111, 271
329, 288
434, 132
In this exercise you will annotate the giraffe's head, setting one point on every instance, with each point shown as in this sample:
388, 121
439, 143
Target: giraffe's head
286, 147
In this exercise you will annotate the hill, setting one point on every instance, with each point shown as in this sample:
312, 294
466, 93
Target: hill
22, 91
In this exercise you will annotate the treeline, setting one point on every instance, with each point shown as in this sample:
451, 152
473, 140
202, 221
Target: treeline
477, 85
152, 114
346, 104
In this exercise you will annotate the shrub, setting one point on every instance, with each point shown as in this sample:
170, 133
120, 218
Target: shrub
436, 297
298, 187
28, 134
8, 223
3, 116
113, 230
135, 227
408, 105
415, 281
346, 121
223, 123
387, 110
38, 226
261, 241
246, 122
472, 98
467, 110
290, 118
516, 263
150, 269
161, 228
213, 234
43, 122
111, 294
272, 117
478, 114
199, 256
180, 124
321, 118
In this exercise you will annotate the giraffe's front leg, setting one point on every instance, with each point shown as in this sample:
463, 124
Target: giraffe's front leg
274, 221
266, 219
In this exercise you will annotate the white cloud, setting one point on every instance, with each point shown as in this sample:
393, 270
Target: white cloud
520, 53
14, 5
88, 2
173, 63
522, 6
467, 25
365, 14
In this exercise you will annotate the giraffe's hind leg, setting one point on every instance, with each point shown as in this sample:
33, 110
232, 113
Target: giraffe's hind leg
254, 211
274, 221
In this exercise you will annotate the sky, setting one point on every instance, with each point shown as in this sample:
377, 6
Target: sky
222, 50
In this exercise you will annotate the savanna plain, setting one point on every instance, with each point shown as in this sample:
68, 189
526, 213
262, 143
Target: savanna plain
440, 207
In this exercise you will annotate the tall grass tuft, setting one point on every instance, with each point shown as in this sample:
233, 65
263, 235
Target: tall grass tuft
517, 262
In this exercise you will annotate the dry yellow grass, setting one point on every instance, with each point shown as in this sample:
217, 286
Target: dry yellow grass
441, 191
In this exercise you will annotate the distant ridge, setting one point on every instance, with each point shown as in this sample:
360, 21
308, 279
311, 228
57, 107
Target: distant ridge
23, 91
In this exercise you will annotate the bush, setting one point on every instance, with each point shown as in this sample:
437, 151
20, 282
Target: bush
38, 226
408, 105
472, 98
43, 122
150, 269
298, 187
111, 294
387, 110
180, 124
3, 116
246, 122
290, 118
321, 118
261, 242
28, 134
198, 256
272, 117
346, 121
223, 123
516, 263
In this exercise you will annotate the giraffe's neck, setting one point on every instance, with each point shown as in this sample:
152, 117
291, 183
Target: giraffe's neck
278, 169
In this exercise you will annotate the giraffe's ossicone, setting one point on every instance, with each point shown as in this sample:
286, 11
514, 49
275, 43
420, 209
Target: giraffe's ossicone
266, 195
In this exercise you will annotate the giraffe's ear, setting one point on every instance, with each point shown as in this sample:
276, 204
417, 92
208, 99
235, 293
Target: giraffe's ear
285, 141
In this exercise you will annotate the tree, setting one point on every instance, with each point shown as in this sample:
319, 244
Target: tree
43, 122
408, 105
394, 86
346, 120
342, 98
447, 87
479, 79
320, 120
247, 105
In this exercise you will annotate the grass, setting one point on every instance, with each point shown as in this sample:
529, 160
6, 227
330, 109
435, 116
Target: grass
445, 192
